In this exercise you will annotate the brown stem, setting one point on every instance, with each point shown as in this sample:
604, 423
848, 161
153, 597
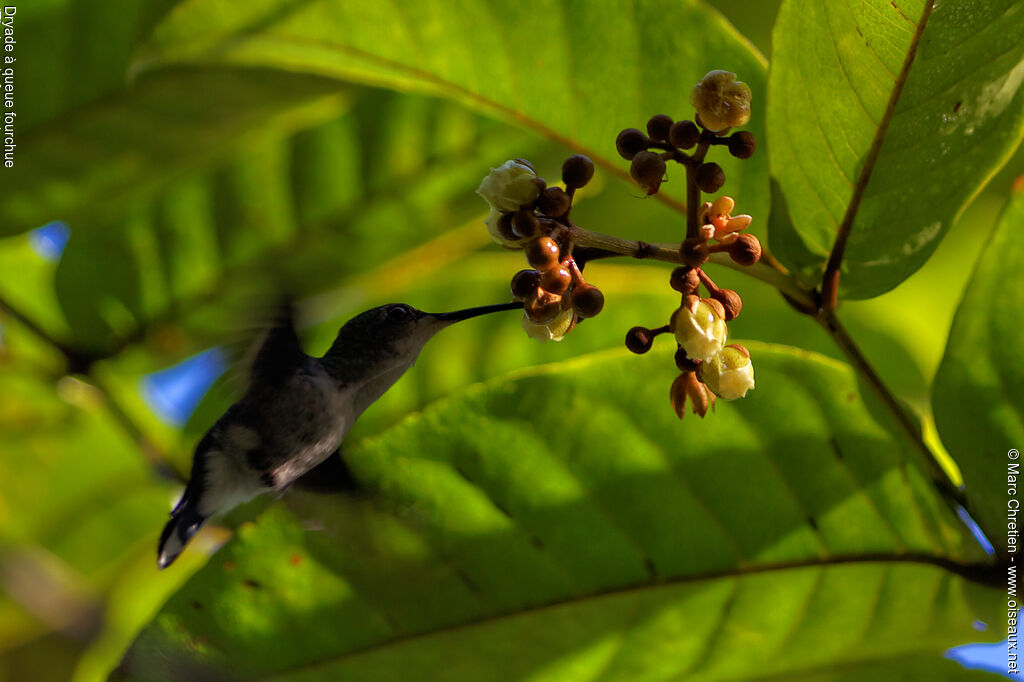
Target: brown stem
827, 318
830, 281
692, 191
669, 253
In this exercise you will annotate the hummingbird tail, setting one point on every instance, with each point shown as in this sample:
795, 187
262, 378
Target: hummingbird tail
185, 522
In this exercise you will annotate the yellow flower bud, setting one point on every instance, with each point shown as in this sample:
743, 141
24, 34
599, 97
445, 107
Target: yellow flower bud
721, 101
699, 330
555, 330
730, 374
509, 186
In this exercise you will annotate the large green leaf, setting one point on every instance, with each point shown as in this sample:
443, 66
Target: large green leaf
892, 115
101, 158
61, 67
978, 408
570, 71
566, 514
305, 210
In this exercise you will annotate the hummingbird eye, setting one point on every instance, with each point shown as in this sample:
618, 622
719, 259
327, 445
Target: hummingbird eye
399, 312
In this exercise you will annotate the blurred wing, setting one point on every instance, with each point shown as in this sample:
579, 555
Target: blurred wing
279, 354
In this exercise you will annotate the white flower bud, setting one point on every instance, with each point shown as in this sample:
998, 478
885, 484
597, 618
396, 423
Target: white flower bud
699, 330
509, 186
721, 101
555, 330
730, 374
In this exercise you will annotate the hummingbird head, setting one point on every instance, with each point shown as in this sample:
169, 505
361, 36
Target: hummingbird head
391, 336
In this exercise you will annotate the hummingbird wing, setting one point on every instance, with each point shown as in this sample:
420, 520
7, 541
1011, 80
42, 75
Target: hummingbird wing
280, 354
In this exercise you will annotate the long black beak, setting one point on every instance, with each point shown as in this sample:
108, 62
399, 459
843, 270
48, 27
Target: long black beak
460, 315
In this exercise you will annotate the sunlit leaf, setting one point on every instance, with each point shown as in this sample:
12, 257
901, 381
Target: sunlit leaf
893, 115
565, 502
571, 74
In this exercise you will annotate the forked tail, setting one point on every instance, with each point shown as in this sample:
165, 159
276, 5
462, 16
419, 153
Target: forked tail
185, 522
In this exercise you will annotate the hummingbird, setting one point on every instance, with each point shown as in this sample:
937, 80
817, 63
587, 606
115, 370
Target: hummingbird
298, 410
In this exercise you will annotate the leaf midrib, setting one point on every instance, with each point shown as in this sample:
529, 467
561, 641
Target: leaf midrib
988, 575
860, 186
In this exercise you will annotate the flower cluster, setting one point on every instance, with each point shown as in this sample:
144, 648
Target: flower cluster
708, 367
526, 213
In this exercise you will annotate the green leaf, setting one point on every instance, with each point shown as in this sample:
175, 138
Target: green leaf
568, 515
100, 159
978, 408
575, 76
60, 67
893, 116
305, 210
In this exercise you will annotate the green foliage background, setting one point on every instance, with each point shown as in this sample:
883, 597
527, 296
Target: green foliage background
556, 522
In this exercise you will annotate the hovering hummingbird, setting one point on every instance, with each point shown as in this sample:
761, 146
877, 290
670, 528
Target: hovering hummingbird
298, 410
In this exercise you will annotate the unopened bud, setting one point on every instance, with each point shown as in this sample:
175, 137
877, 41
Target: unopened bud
554, 202
648, 169
685, 280
631, 142
731, 303
587, 300
684, 134
639, 340
525, 224
499, 225
746, 250
742, 144
658, 127
524, 284
542, 253
709, 177
577, 171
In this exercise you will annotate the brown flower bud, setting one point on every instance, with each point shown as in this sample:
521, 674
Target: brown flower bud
524, 284
542, 253
553, 202
658, 127
543, 307
731, 303
587, 300
577, 171
524, 224
630, 142
742, 145
684, 279
556, 280
648, 169
746, 250
684, 362
639, 340
709, 177
684, 134
505, 229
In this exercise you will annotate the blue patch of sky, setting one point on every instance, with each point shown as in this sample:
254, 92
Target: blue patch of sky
175, 392
50, 239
